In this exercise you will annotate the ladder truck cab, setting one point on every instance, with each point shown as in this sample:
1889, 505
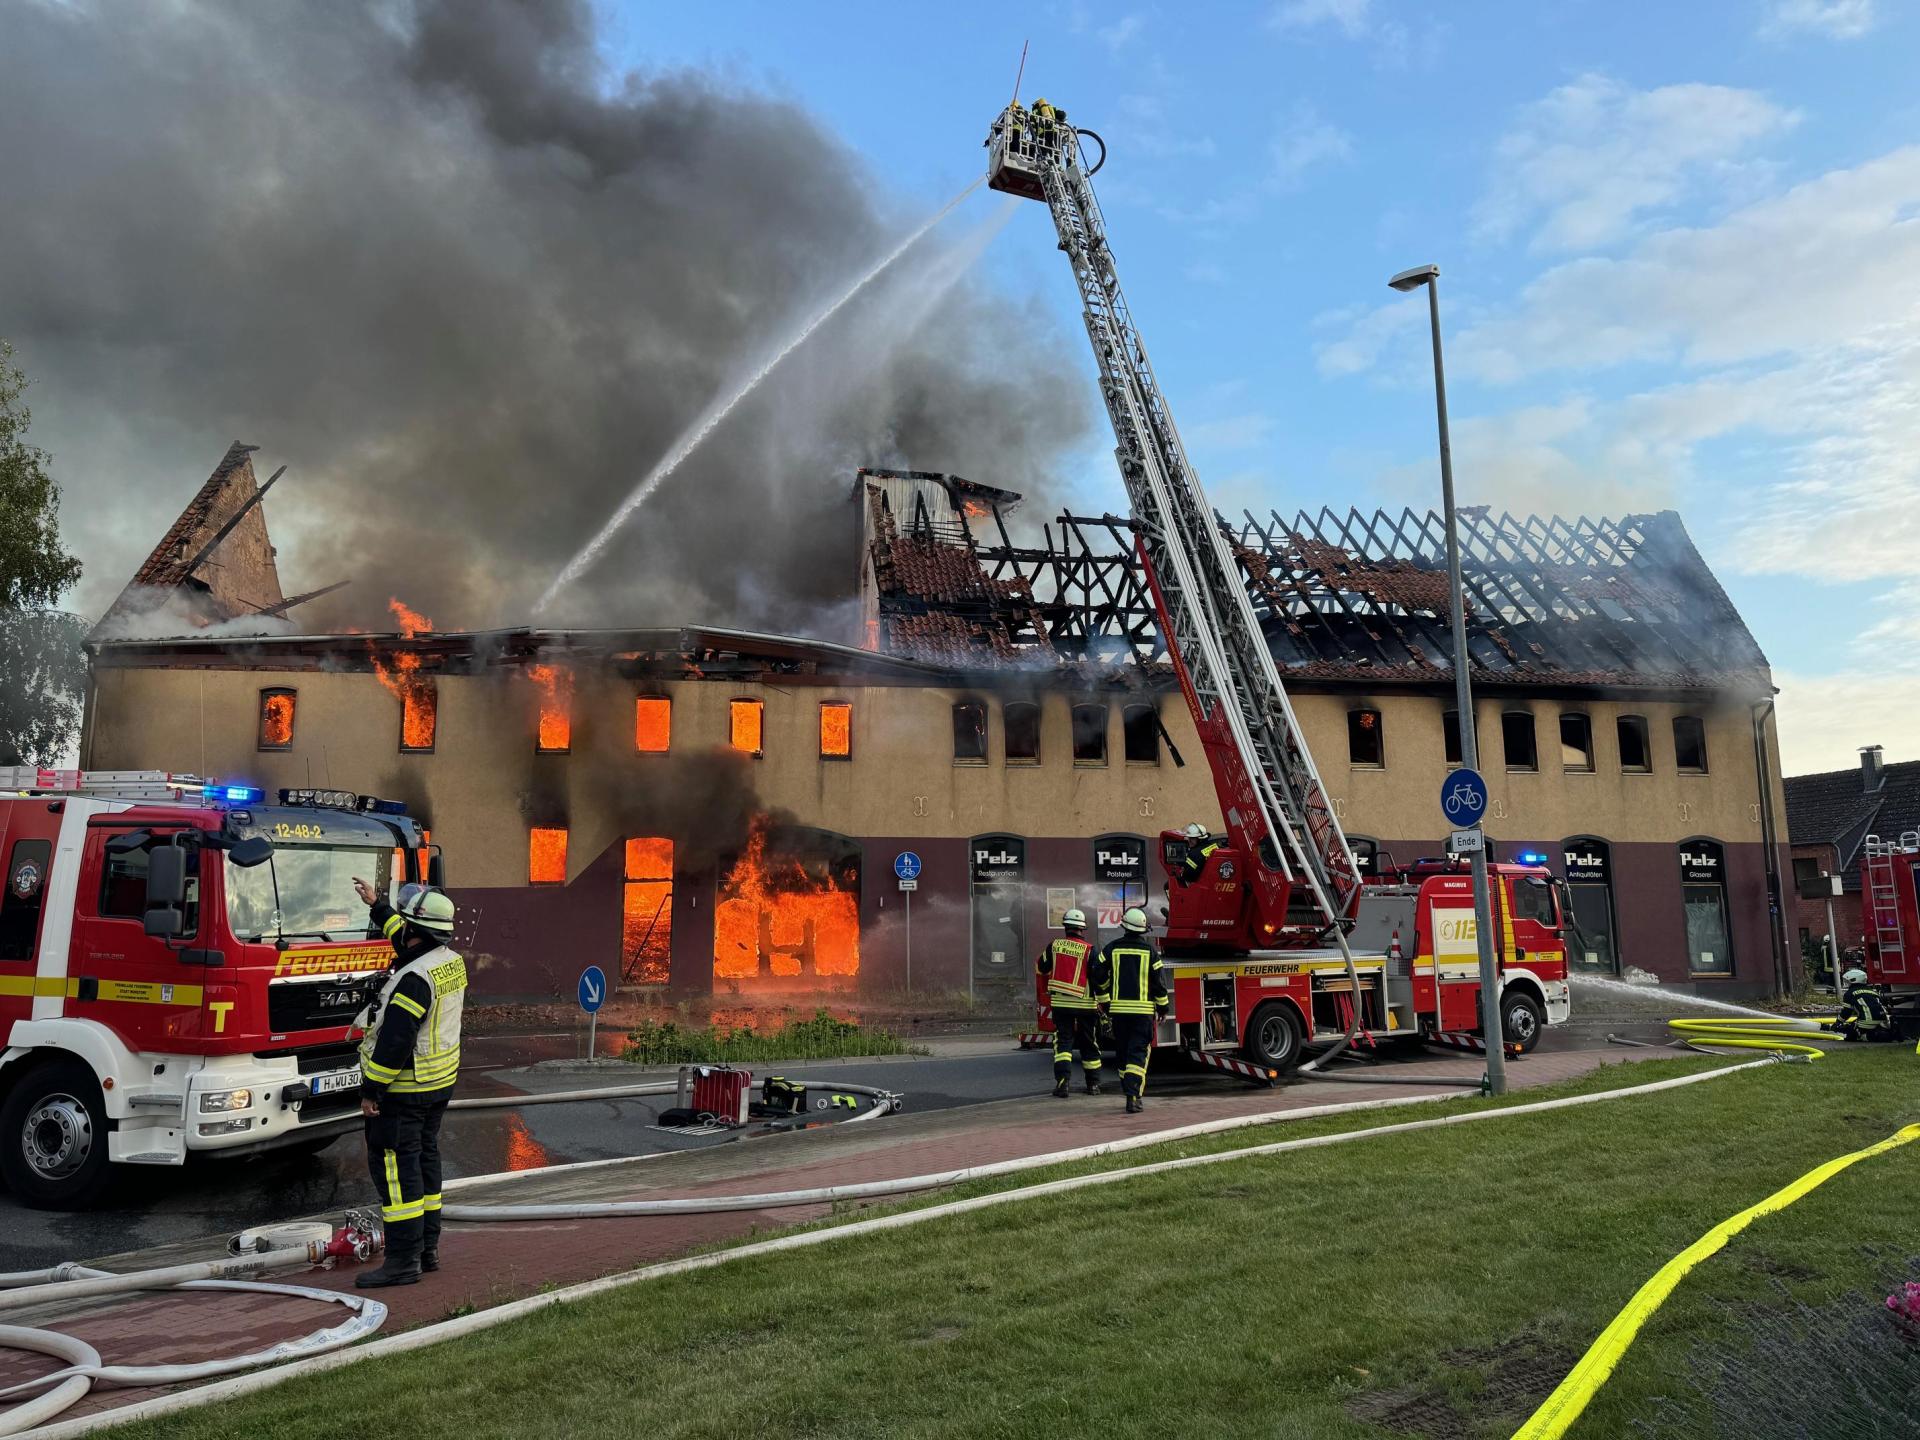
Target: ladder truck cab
1278, 941
181, 968
1890, 900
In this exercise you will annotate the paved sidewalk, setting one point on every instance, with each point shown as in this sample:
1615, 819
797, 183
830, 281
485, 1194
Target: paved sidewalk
488, 1264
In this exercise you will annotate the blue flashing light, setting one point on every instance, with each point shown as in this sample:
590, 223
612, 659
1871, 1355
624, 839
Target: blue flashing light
233, 794
373, 805
1531, 857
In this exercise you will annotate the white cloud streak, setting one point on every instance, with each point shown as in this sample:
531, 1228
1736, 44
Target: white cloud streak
1835, 19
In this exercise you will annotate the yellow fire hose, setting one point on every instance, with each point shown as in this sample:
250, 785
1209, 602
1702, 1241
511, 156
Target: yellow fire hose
1564, 1406
1783, 1036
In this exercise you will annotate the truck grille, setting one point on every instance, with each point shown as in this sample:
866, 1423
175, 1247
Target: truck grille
317, 1004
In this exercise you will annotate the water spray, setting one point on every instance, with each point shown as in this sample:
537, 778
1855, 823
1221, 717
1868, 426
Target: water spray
724, 405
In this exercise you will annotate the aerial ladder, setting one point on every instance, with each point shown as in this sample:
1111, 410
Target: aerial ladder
1275, 806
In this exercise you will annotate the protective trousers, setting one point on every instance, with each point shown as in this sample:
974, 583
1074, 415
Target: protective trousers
1073, 1030
1133, 1040
403, 1156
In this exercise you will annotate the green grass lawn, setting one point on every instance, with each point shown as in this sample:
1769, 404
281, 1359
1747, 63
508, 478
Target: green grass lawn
820, 1038
1437, 1283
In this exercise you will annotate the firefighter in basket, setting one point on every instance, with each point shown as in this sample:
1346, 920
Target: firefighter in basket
1067, 965
1200, 847
1133, 990
1863, 1010
409, 1062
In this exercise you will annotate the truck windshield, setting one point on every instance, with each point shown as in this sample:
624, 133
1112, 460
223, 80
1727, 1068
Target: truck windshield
316, 899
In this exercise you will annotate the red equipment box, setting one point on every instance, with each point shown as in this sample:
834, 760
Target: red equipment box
721, 1092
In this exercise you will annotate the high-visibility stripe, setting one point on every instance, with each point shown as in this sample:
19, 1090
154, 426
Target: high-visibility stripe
385, 1074
431, 1202
421, 1087
1093, 1064
393, 923
1063, 1057
413, 1210
119, 992
411, 1006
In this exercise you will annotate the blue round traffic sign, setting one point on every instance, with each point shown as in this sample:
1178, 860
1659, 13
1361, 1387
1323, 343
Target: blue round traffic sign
593, 988
1463, 798
906, 865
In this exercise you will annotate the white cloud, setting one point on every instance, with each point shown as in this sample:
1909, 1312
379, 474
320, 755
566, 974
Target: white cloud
1824, 719
1118, 35
1233, 432
1306, 139
1393, 44
1592, 157
1351, 17
1837, 19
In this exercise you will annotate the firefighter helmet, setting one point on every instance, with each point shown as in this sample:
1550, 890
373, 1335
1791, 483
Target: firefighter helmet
1075, 919
1197, 831
426, 909
1854, 977
1135, 920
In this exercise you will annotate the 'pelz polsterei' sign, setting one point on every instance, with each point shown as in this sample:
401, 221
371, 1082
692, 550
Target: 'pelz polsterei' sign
1120, 860
998, 857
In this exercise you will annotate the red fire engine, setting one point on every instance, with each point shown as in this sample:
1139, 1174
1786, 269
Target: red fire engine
1278, 942
180, 966
1890, 900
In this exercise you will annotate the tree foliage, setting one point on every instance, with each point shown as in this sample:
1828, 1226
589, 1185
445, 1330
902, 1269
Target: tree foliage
42, 667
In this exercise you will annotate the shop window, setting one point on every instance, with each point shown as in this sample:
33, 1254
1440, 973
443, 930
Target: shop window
276, 719
836, 730
652, 724
1089, 734
1576, 742
547, 855
744, 725
970, 732
1140, 731
1690, 744
1703, 894
1022, 719
1450, 735
24, 896
646, 912
1516, 735
1366, 747
1635, 754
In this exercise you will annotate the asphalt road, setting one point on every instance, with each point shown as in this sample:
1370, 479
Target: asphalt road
155, 1205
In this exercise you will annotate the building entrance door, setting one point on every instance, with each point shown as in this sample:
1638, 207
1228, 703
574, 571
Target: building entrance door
1588, 863
998, 869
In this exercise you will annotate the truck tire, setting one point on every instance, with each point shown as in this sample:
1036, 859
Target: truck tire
1273, 1037
1523, 1019
53, 1137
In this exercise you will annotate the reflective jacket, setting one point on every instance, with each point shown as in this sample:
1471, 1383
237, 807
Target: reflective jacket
1864, 1008
412, 1045
1065, 964
1196, 861
1130, 978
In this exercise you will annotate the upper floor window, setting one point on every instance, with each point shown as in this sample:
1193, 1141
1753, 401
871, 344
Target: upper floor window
1635, 753
652, 724
836, 730
1089, 734
1140, 728
970, 732
1022, 719
547, 855
276, 719
1576, 741
1366, 744
744, 723
1516, 735
1450, 735
1690, 744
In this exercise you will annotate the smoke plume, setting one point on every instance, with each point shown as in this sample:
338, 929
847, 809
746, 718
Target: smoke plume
469, 283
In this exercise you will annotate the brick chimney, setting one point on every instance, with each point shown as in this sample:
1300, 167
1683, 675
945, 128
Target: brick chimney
1872, 769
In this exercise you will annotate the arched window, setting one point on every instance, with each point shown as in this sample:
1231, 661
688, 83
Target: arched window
970, 733
1089, 734
1022, 720
1703, 896
276, 719
1366, 739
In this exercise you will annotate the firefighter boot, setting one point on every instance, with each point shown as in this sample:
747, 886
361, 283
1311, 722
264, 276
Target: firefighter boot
430, 1242
401, 1265
1093, 1083
1060, 1087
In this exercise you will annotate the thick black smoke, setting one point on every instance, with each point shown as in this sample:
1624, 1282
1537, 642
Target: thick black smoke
469, 285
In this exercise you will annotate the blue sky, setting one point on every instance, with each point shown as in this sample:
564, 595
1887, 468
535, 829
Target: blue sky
1679, 252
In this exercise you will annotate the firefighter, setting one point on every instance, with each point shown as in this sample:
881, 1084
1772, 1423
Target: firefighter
1066, 966
1134, 992
409, 1062
1200, 845
1863, 1010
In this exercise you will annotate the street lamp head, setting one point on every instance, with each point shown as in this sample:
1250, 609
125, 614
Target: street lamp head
1413, 279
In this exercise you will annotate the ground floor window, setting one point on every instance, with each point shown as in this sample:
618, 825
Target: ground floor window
787, 912
1703, 894
646, 912
1587, 862
997, 871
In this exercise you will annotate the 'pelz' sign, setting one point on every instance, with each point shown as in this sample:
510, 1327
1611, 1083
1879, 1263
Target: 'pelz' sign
998, 857
1701, 863
1118, 859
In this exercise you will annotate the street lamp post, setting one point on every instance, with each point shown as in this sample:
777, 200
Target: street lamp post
1490, 1008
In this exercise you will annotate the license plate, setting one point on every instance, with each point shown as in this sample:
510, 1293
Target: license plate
338, 1081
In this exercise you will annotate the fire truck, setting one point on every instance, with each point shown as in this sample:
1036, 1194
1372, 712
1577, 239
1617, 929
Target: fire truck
1890, 895
1278, 943
181, 964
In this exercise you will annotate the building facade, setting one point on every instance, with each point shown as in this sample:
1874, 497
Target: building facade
1829, 817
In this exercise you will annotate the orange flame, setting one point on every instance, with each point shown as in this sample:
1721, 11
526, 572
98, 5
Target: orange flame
774, 919
744, 725
276, 721
399, 672
556, 706
836, 728
647, 912
975, 509
546, 856
652, 724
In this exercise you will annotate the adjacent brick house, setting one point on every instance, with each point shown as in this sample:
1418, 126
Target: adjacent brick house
1829, 817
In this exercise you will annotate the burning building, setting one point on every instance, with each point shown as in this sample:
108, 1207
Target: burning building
718, 812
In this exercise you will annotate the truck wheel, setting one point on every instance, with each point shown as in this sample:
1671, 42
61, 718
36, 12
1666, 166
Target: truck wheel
1273, 1037
53, 1137
1523, 1019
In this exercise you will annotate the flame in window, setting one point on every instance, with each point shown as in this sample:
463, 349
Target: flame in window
744, 731
547, 856
276, 721
646, 950
399, 672
652, 724
556, 706
836, 728
775, 918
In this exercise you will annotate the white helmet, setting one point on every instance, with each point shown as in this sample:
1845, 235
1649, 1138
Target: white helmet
1855, 976
1075, 919
1135, 920
426, 909
1197, 831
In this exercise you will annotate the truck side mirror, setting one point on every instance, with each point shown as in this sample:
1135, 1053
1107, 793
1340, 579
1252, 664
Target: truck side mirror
255, 850
166, 891
436, 871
